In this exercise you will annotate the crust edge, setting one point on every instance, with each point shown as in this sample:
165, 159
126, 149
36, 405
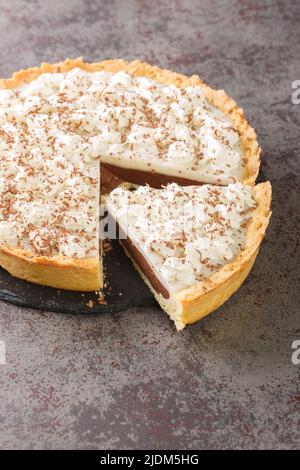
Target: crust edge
58, 272
206, 296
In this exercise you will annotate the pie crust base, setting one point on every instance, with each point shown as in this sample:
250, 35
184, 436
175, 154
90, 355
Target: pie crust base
60, 272
86, 274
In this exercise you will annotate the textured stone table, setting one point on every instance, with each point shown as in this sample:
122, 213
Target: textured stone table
129, 380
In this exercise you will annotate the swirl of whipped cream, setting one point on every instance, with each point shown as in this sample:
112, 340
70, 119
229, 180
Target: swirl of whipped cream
176, 270
180, 153
9, 232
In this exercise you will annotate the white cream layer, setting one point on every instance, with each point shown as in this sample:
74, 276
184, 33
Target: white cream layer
53, 130
185, 233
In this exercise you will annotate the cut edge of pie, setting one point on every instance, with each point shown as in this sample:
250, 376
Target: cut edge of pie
192, 304
86, 274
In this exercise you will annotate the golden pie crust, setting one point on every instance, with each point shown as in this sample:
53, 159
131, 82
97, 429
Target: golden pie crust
205, 297
58, 271
86, 274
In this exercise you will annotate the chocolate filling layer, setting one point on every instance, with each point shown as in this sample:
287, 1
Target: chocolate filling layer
155, 180
143, 264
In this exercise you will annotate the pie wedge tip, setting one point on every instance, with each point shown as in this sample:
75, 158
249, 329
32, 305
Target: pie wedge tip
188, 305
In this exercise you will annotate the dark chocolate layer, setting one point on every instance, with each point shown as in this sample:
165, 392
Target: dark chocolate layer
155, 180
143, 264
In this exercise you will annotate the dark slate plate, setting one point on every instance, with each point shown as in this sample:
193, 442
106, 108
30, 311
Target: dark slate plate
124, 289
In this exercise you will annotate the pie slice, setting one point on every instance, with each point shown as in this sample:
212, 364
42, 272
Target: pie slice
193, 245
144, 124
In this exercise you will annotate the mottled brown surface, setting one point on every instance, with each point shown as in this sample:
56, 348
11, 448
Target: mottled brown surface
129, 380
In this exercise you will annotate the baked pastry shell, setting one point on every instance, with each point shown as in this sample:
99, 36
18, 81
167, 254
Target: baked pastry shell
86, 274
58, 271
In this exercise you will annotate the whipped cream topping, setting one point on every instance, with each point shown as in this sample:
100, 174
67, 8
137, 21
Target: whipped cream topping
55, 128
185, 233
147, 126
50, 182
